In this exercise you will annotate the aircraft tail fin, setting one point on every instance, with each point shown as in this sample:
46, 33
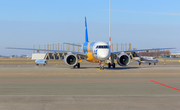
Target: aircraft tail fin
86, 32
134, 54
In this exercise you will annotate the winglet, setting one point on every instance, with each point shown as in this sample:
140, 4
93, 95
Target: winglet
86, 33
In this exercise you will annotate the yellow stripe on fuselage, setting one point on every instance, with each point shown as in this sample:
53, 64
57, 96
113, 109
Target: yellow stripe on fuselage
90, 57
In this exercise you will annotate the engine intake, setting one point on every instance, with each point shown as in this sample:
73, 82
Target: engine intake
71, 59
123, 59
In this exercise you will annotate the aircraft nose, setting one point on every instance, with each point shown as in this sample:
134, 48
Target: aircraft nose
103, 54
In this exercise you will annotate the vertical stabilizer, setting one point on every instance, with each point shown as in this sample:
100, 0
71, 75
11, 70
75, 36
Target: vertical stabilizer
86, 32
134, 54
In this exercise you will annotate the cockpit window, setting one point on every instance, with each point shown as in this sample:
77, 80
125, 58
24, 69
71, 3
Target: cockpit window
105, 46
102, 46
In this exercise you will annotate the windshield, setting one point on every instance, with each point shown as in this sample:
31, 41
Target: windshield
102, 46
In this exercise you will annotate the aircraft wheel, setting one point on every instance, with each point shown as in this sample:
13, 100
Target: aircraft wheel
113, 65
149, 63
37, 64
109, 65
101, 67
139, 63
154, 63
78, 65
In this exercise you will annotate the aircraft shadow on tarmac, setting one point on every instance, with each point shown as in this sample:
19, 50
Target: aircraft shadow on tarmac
120, 68
117, 68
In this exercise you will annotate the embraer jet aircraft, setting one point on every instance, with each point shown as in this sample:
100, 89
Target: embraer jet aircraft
144, 59
96, 52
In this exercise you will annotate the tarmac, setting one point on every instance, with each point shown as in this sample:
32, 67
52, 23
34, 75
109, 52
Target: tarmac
25, 86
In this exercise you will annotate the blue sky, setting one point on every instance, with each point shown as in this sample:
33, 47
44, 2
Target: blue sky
145, 24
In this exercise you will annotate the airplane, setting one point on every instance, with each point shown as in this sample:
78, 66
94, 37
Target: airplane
144, 59
95, 52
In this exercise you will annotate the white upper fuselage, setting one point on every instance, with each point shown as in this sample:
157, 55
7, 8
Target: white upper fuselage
98, 50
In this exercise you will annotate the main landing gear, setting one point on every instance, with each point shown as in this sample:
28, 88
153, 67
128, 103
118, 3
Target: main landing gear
78, 65
113, 65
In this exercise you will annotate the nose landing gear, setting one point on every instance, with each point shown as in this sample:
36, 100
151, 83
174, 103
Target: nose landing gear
101, 65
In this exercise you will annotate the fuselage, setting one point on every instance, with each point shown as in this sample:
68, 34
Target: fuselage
151, 59
96, 51
146, 59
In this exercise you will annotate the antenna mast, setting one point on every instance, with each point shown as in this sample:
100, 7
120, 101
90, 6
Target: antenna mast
110, 24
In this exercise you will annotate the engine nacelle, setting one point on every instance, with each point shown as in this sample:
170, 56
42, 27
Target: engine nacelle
71, 59
123, 59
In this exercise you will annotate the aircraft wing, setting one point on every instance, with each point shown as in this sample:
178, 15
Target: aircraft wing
140, 50
72, 44
58, 51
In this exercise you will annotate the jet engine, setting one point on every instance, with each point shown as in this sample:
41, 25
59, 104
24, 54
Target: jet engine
123, 59
71, 59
